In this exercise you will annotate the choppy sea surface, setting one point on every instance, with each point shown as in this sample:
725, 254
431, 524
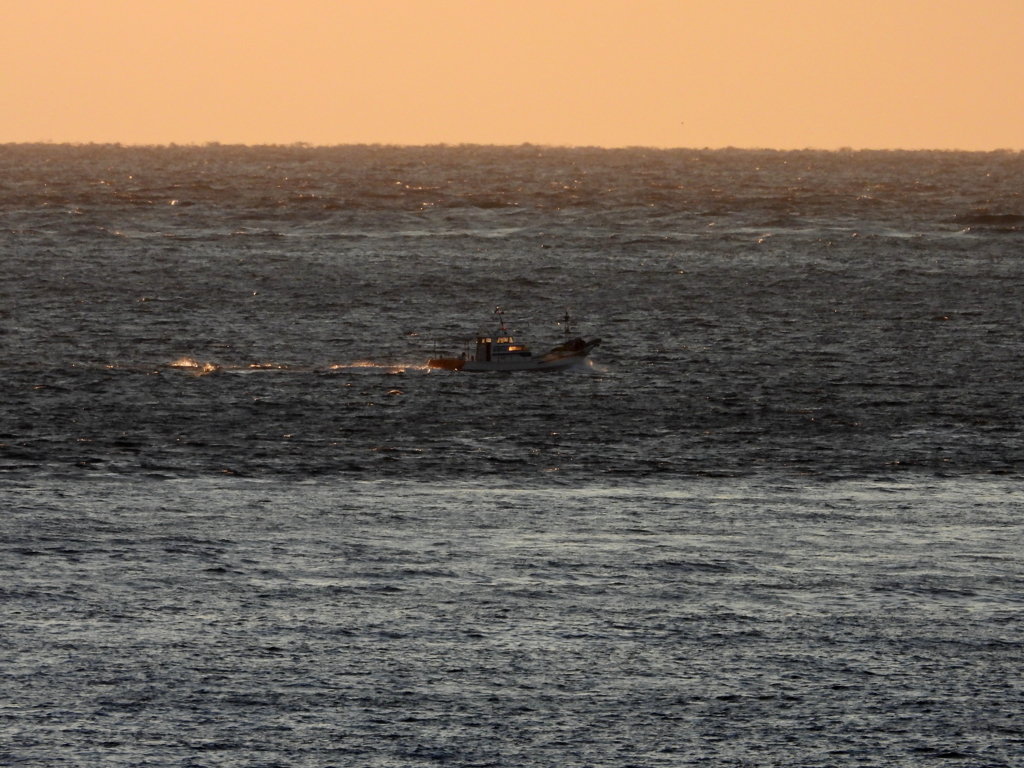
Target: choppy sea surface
774, 519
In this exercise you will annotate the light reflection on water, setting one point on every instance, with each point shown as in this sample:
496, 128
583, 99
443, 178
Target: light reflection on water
372, 622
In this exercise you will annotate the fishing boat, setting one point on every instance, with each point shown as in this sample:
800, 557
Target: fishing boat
501, 352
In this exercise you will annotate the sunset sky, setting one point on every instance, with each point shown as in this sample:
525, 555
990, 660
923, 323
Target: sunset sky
945, 74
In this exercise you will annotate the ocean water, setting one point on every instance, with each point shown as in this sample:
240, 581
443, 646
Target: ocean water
773, 520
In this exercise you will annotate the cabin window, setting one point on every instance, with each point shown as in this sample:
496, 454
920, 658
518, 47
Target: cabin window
505, 339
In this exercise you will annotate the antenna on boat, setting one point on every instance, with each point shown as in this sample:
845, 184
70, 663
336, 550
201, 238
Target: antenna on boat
501, 318
565, 323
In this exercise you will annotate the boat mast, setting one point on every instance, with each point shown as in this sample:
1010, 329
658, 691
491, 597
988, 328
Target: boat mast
501, 319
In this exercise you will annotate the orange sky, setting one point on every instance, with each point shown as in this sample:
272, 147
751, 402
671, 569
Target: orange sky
945, 74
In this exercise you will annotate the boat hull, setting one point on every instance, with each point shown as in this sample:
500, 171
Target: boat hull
446, 363
552, 361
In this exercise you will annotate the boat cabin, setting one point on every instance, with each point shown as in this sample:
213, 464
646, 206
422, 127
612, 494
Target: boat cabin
490, 348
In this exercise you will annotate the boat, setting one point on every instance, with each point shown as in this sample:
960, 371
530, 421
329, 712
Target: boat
501, 352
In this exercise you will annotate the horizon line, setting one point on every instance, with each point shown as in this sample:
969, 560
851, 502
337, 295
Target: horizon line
476, 145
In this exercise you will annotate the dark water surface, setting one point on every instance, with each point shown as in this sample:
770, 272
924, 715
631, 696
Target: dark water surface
774, 521
814, 312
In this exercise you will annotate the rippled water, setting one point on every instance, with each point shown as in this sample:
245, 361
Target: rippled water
828, 313
774, 521
722, 622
